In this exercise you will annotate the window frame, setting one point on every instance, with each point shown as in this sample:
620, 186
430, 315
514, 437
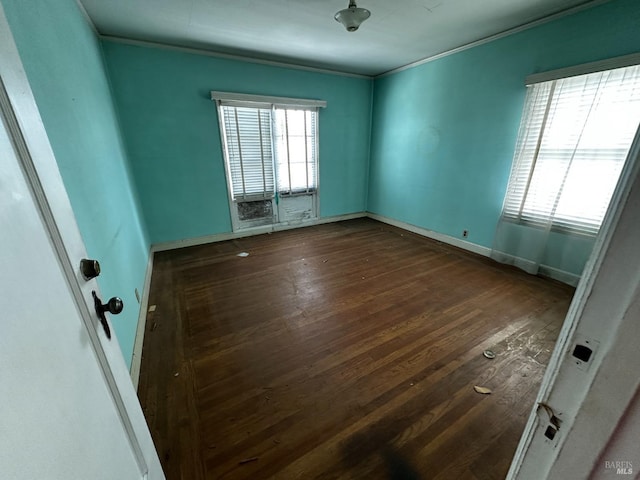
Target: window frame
292, 192
514, 210
265, 195
271, 103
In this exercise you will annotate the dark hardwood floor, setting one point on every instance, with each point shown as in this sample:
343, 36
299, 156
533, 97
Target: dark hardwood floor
346, 350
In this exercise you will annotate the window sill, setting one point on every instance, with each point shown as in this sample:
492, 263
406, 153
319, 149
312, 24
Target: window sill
296, 194
556, 227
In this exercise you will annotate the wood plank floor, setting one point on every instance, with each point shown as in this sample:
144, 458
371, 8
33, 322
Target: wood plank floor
346, 350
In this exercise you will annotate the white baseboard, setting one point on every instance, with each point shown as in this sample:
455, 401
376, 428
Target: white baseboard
221, 237
557, 274
560, 275
440, 237
136, 359
545, 270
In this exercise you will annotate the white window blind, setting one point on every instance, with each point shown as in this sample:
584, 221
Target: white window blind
247, 138
295, 148
574, 138
268, 146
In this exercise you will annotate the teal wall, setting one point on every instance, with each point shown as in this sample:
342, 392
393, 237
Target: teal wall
431, 145
173, 139
63, 61
443, 133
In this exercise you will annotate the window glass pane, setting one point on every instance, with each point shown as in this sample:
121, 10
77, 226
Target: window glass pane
295, 149
247, 139
258, 139
582, 131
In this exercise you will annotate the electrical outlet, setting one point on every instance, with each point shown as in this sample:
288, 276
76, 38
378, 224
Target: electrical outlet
465, 233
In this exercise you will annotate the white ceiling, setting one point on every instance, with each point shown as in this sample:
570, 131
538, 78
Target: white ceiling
304, 32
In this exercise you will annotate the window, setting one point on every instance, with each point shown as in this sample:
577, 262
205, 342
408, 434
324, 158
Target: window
271, 153
252, 135
269, 145
574, 138
247, 138
295, 146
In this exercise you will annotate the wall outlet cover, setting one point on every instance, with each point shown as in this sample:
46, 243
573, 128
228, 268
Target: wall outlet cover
580, 344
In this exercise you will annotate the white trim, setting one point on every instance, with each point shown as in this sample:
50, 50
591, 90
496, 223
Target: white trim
533, 268
86, 16
227, 171
136, 359
585, 288
225, 100
228, 56
25, 128
266, 100
249, 232
560, 275
544, 270
497, 36
525, 264
584, 69
316, 199
440, 237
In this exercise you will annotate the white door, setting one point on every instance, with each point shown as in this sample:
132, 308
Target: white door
592, 385
68, 409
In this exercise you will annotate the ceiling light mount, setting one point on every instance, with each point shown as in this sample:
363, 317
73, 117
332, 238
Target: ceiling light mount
352, 16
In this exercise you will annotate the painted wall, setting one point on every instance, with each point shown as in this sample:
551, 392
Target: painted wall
63, 61
443, 133
173, 138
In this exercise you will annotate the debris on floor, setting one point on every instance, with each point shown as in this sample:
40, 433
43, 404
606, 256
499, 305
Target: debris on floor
248, 460
483, 390
490, 354
242, 254
152, 308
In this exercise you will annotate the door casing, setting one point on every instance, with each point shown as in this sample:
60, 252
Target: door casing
26, 146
